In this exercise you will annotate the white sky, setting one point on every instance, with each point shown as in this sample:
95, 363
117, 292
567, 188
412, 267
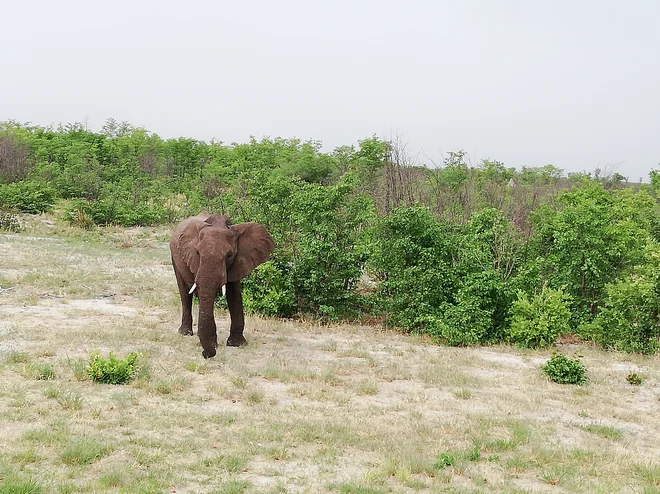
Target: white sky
573, 83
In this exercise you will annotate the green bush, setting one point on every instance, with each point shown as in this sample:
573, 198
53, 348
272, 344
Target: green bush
635, 379
268, 290
27, 196
112, 370
563, 370
412, 257
593, 237
629, 320
537, 322
319, 257
9, 222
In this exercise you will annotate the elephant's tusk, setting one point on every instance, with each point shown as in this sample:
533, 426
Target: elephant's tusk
192, 289
224, 290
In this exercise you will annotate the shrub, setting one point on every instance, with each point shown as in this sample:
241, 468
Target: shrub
27, 196
593, 237
112, 370
635, 379
412, 258
537, 322
629, 320
563, 370
268, 290
9, 222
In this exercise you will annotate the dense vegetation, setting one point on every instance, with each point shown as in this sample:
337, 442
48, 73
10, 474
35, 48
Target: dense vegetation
466, 254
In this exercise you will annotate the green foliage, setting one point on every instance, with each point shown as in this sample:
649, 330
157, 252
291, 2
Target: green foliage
655, 181
630, 317
564, 370
15, 485
635, 379
594, 237
319, 258
9, 222
539, 320
112, 370
83, 451
629, 320
27, 196
451, 283
269, 290
412, 259
445, 460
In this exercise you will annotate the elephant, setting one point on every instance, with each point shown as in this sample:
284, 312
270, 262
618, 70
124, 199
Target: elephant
209, 255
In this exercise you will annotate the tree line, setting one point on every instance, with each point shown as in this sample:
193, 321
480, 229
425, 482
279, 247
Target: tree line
466, 253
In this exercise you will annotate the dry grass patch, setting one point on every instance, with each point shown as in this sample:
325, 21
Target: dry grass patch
302, 409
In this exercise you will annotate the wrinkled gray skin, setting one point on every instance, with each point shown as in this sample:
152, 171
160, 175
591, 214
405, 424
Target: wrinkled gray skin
209, 252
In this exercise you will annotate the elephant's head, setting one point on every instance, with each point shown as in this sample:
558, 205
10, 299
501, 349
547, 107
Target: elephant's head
216, 253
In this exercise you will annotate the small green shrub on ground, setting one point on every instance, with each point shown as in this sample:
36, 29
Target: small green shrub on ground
539, 320
112, 370
635, 379
564, 370
9, 222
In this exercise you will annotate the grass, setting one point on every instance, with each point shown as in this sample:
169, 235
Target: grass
605, 431
83, 451
303, 408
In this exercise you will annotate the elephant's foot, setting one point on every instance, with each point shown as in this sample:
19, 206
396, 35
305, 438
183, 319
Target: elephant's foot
185, 330
236, 340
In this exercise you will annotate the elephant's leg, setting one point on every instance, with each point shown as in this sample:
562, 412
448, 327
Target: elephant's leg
186, 305
235, 304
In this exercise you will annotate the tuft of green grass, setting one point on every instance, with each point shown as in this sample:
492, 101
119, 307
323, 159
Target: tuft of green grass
168, 386
54, 434
463, 394
605, 431
79, 369
278, 453
16, 357
635, 379
112, 479
198, 367
13, 485
227, 463
26, 457
367, 388
70, 400
254, 396
39, 370
650, 473
83, 451
238, 382
445, 459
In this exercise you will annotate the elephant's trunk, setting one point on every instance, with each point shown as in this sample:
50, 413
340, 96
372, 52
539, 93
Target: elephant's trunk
206, 331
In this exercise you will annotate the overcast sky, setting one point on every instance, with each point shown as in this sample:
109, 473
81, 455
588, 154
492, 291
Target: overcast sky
573, 83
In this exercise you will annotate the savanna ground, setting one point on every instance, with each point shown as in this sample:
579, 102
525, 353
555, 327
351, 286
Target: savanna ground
303, 408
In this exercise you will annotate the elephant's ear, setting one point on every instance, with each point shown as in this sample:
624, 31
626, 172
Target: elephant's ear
254, 246
187, 245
